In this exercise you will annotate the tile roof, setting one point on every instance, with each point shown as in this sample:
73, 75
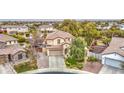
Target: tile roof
115, 46
97, 49
5, 38
12, 49
59, 34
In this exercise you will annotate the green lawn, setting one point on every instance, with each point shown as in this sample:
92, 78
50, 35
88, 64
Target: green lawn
77, 65
26, 66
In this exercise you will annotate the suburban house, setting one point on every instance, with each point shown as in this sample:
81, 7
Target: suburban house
121, 26
57, 47
11, 51
99, 27
48, 28
113, 55
58, 42
11, 29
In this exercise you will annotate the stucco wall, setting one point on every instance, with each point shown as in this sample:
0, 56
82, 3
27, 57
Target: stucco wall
2, 45
15, 57
56, 43
11, 42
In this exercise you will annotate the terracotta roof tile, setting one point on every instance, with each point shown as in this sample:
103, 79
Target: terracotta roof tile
12, 49
60, 34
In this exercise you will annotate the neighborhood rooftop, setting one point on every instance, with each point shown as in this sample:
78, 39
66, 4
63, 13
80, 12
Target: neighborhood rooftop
13, 26
98, 49
5, 38
58, 34
11, 49
115, 46
45, 26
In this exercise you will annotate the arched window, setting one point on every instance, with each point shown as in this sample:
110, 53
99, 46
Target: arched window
58, 41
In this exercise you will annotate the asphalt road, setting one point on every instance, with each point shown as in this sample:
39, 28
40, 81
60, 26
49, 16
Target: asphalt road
110, 70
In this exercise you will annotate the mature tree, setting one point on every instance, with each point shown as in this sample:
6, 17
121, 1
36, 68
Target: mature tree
77, 49
90, 32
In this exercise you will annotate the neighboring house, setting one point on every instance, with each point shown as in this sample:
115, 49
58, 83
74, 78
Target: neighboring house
114, 54
11, 29
121, 26
10, 50
99, 27
48, 28
96, 51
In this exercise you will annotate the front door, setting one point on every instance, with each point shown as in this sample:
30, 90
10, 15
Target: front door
9, 58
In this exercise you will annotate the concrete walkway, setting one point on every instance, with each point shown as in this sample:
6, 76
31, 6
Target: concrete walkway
7, 69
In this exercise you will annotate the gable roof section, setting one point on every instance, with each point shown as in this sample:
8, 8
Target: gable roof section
115, 46
5, 38
97, 49
58, 34
12, 49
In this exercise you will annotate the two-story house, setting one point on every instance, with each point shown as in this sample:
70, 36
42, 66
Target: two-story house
48, 28
58, 42
10, 50
11, 29
57, 47
113, 55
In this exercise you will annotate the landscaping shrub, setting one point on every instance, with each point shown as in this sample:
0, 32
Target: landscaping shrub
92, 59
26, 66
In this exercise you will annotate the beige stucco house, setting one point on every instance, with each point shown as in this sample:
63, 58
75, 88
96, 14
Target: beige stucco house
58, 43
11, 51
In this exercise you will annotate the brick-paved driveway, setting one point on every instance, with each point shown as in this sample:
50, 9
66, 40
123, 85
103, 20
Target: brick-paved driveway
94, 67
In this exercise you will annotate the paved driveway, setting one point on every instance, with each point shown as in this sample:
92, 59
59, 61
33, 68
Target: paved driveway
42, 61
56, 62
110, 70
6, 69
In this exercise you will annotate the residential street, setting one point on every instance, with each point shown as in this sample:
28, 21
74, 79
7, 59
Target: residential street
110, 70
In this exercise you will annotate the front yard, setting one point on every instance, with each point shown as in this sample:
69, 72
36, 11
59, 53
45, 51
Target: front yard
25, 66
92, 65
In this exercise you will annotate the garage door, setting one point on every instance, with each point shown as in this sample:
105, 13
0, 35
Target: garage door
113, 63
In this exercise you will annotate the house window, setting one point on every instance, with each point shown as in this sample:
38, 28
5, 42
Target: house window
58, 41
9, 57
66, 51
20, 56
